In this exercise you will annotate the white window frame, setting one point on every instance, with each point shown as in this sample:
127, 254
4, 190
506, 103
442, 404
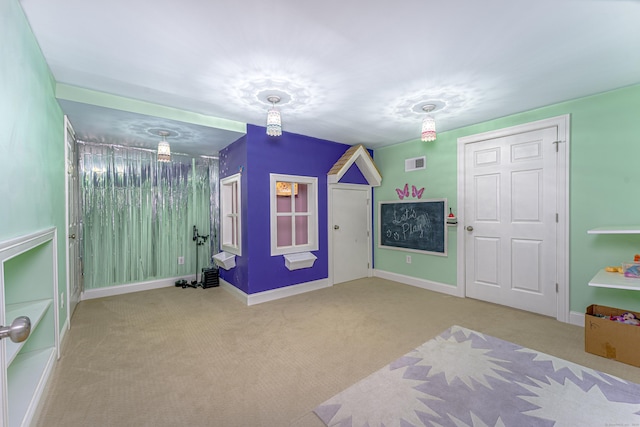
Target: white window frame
312, 213
231, 207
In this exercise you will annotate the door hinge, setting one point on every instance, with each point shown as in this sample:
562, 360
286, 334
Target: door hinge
557, 143
557, 217
557, 288
367, 265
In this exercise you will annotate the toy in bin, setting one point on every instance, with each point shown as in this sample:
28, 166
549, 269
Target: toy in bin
628, 318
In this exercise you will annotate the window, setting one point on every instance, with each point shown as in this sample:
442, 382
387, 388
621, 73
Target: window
230, 218
294, 213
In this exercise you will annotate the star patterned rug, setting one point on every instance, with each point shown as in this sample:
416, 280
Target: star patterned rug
465, 378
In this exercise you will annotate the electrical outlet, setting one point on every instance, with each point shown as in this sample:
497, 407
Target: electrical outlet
180, 260
408, 259
61, 300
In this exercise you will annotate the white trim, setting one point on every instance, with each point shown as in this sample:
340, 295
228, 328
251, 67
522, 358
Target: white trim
63, 331
419, 283
237, 293
226, 210
365, 163
576, 318
66, 213
8, 250
132, 287
312, 210
359, 187
56, 289
563, 125
274, 294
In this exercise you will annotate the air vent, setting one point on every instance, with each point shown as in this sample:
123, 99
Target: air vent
415, 164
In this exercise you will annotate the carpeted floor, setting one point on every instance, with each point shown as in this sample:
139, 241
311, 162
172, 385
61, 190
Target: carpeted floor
199, 357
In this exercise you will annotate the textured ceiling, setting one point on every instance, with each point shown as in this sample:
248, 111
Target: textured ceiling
349, 71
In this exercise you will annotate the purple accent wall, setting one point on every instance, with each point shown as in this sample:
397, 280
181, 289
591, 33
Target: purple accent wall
353, 175
292, 154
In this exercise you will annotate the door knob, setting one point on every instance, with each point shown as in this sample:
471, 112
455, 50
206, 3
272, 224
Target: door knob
469, 228
18, 331
336, 227
72, 236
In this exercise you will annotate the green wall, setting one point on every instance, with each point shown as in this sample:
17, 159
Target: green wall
604, 181
31, 138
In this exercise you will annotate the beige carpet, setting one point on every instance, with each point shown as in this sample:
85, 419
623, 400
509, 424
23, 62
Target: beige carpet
199, 357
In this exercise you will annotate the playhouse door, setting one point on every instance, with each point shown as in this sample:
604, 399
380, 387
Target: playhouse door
350, 231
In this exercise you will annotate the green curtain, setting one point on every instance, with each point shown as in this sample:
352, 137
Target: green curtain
138, 214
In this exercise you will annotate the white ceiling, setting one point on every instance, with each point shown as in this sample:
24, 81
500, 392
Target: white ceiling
351, 71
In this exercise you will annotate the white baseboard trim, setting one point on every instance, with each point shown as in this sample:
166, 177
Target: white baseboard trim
576, 318
132, 287
419, 283
241, 296
274, 294
63, 331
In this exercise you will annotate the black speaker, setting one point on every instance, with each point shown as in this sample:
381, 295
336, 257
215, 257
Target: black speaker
210, 278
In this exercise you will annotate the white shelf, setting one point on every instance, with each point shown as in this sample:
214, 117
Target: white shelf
615, 230
34, 310
604, 279
30, 290
27, 376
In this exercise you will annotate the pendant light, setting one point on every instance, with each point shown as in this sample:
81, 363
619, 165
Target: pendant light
164, 150
274, 122
428, 124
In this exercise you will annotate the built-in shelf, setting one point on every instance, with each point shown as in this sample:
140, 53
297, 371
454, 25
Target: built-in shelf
635, 229
26, 385
604, 279
28, 283
34, 310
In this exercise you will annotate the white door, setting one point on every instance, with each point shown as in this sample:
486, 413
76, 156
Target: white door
510, 220
350, 231
73, 253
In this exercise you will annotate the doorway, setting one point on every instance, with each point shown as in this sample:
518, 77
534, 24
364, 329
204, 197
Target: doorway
513, 217
74, 276
350, 231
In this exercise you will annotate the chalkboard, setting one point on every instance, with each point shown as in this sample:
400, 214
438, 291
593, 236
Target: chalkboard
416, 225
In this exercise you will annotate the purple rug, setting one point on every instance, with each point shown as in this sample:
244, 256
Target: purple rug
465, 378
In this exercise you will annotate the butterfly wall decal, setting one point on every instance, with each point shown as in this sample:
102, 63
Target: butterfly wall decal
417, 193
403, 193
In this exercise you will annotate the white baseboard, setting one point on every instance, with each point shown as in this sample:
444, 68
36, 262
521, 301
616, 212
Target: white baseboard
274, 294
63, 331
576, 318
133, 287
419, 283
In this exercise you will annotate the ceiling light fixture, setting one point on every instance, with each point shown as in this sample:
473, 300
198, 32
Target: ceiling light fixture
428, 124
274, 122
164, 150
